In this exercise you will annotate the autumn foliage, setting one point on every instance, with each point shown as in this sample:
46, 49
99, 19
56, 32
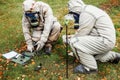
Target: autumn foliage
109, 4
115, 2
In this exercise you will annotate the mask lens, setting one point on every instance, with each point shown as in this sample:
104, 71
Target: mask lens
33, 18
30, 15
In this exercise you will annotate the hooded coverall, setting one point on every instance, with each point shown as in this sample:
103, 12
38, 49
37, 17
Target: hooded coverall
95, 37
49, 28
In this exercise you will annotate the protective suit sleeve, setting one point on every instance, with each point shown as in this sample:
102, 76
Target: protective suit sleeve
26, 30
86, 23
47, 25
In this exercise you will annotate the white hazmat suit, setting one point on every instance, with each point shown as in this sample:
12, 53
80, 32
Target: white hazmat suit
95, 37
47, 29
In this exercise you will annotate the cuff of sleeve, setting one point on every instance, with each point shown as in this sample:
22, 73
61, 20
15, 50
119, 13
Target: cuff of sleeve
41, 44
29, 42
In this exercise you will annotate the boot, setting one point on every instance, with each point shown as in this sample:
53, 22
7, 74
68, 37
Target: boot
48, 49
80, 69
116, 60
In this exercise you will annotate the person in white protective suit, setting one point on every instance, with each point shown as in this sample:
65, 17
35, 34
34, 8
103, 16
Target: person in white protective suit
40, 27
95, 36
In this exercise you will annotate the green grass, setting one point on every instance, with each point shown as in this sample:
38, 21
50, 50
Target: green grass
54, 68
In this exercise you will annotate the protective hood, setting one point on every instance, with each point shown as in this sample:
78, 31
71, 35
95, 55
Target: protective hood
30, 5
76, 6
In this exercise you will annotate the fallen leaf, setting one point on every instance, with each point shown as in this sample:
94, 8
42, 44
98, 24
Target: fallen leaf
77, 78
0, 60
18, 78
60, 78
104, 78
57, 65
44, 71
33, 63
26, 66
8, 61
118, 76
23, 79
1, 73
41, 79
0, 55
23, 76
15, 64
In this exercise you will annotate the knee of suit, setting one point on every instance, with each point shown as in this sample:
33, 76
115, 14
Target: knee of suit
57, 26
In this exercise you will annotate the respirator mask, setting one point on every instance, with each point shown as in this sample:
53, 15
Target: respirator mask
76, 19
33, 18
73, 17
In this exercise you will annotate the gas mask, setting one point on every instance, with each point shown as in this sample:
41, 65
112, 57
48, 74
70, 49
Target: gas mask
33, 18
76, 19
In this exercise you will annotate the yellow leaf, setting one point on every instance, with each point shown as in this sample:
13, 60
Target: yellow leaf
15, 64
1, 73
41, 79
77, 78
60, 78
104, 78
23, 76
0, 55
33, 63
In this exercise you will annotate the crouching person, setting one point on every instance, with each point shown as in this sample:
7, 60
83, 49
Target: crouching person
95, 36
40, 27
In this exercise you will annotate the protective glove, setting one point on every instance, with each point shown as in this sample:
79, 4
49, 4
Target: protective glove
39, 45
64, 38
30, 47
